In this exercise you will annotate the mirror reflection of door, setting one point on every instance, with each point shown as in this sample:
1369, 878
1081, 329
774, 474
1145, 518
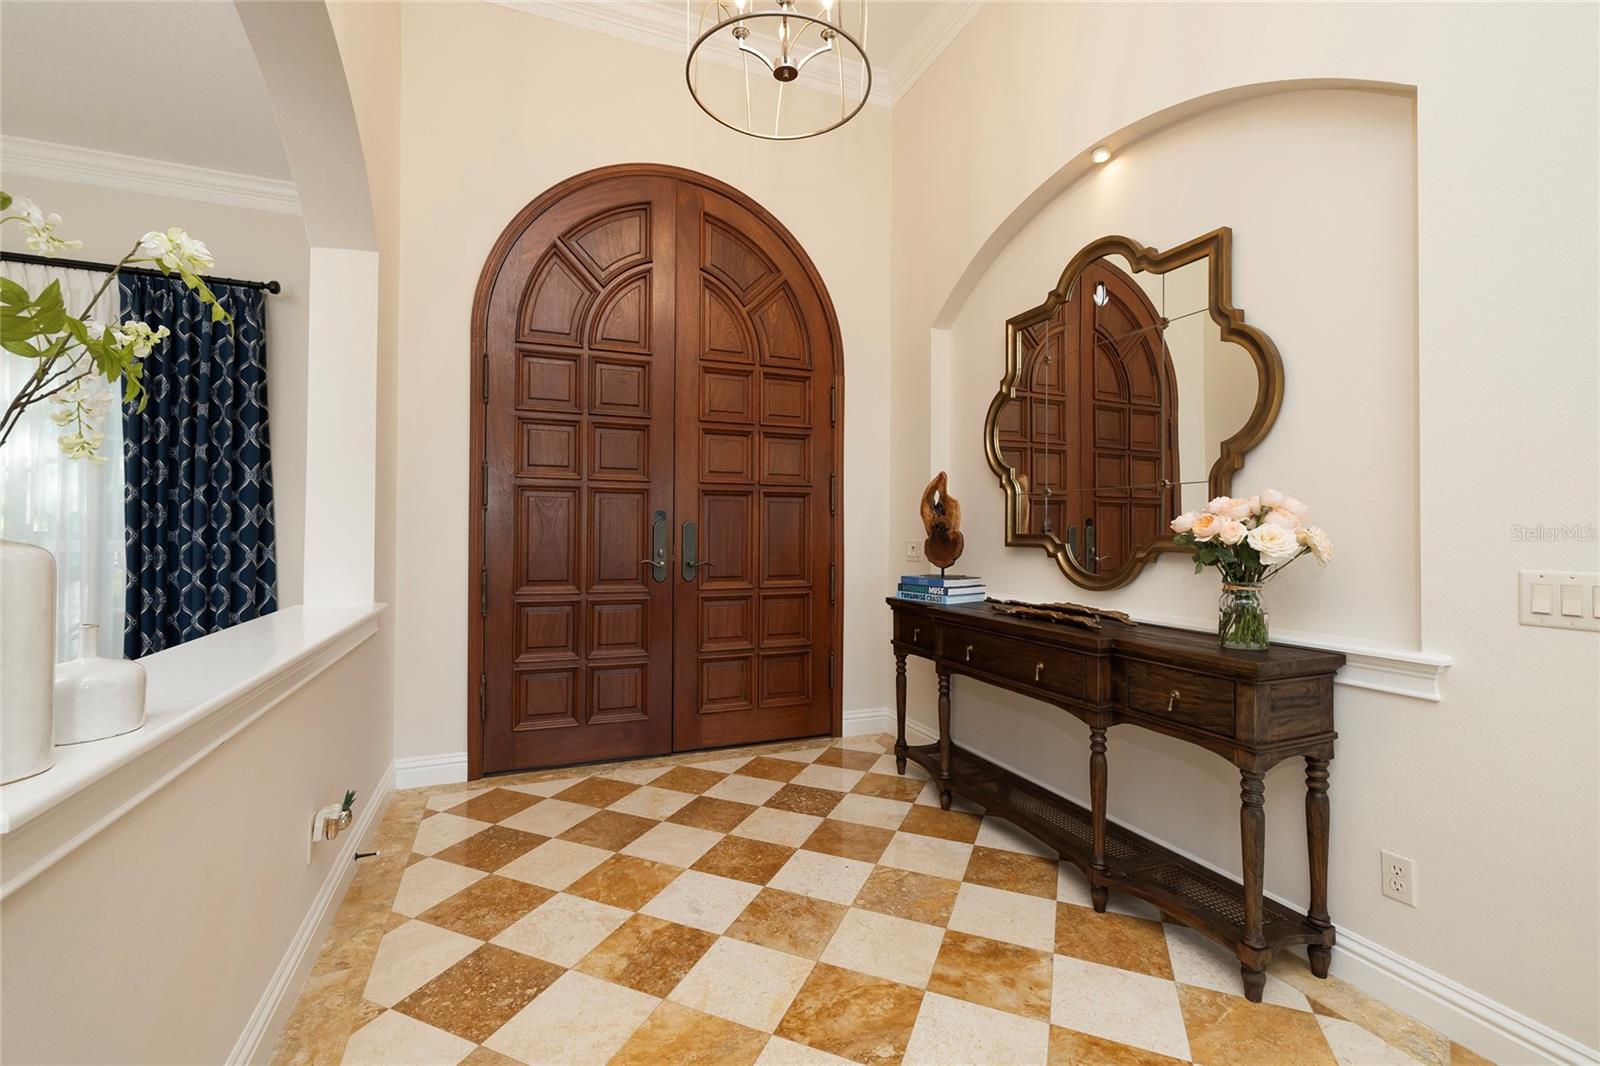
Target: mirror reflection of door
1093, 434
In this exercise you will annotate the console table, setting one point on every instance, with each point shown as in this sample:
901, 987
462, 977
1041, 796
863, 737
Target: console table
1254, 709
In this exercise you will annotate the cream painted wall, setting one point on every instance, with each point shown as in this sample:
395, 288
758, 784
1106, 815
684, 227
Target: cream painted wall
259, 245
1502, 772
153, 942
497, 106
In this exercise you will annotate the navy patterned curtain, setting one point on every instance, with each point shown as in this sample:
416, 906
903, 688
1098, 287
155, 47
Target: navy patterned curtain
201, 549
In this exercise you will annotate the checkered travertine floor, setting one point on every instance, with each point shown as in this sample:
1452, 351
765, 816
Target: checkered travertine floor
798, 906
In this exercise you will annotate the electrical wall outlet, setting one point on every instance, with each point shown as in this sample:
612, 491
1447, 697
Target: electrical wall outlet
913, 551
1399, 878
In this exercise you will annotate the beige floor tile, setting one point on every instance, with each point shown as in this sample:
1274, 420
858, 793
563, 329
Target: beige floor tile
885, 946
744, 983
927, 855
715, 815
409, 957
555, 864
778, 827
801, 755
443, 801
1354, 1046
784, 921
609, 830
1113, 940
1231, 1031
480, 993
677, 845
723, 766
651, 802
1013, 871
392, 1037
829, 877
550, 818
781, 1052
493, 805
647, 954
430, 881
638, 775
741, 789
831, 777
1003, 976
683, 1036
563, 929
1071, 1048
1072, 886
1009, 916
853, 1015
547, 787
442, 830
492, 848
744, 859
886, 766
873, 743
871, 810
484, 908
888, 786
702, 901
624, 881
953, 1030
1130, 1008
908, 894
597, 791
578, 1019
1001, 834
1197, 960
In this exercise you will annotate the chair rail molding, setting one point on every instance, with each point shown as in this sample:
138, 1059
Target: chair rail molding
157, 177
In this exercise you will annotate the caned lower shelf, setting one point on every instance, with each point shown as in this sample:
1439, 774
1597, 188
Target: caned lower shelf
1180, 887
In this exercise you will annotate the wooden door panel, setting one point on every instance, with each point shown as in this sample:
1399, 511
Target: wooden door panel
756, 621
654, 348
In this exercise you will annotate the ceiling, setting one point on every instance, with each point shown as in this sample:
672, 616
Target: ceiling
170, 81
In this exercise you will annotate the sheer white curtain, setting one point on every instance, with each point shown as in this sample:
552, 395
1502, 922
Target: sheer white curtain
70, 507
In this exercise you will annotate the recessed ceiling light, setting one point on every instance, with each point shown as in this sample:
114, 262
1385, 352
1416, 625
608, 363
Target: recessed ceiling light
1100, 154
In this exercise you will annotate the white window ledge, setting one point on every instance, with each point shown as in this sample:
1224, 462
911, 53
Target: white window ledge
198, 695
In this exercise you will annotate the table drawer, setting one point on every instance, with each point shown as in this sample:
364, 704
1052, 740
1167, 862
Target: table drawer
1180, 696
911, 629
1056, 671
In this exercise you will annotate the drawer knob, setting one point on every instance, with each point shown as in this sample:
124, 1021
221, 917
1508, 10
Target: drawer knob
969, 653
916, 635
1038, 671
1172, 700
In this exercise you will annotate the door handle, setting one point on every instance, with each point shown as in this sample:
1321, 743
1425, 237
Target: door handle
691, 547
658, 547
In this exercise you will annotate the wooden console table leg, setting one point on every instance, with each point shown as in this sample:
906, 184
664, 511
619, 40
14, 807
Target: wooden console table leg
944, 740
1252, 848
900, 713
1320, 955
1098, 893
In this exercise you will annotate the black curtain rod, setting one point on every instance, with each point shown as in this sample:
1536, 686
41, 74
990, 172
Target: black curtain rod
144, 272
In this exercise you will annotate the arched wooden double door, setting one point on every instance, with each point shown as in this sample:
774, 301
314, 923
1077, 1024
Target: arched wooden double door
656, 499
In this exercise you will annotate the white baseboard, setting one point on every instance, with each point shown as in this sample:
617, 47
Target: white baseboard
1469, 1018
867, 721
272, 1012
419, 771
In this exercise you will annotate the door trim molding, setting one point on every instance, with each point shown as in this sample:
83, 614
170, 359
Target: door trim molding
478, 401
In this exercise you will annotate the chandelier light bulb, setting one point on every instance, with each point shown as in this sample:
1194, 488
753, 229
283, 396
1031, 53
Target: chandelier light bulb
1101, 154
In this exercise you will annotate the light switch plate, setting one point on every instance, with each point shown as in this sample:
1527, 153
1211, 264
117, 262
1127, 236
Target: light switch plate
1558, 599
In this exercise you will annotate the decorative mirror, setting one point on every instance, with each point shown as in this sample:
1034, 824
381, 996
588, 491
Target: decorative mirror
1130, 395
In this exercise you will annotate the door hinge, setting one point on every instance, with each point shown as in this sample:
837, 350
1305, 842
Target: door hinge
483, 482
484, 374
483, 593
833, 493
833, 405
832, 570
830, 671
483, 697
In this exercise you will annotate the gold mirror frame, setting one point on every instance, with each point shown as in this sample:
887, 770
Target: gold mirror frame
1217, 246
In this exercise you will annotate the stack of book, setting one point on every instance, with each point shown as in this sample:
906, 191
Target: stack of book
950, 588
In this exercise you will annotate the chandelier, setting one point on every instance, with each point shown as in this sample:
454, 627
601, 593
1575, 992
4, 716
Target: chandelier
743, 54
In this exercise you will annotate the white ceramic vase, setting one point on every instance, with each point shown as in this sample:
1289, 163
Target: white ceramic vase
27, 659
95, 697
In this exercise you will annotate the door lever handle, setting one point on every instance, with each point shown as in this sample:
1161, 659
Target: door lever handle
658, 547
691, 548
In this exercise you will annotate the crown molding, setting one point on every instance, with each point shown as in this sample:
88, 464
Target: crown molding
159, 177
659, 27
929, 42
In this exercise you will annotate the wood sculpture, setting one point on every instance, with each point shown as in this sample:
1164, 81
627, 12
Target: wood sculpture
1074, 614
941, 517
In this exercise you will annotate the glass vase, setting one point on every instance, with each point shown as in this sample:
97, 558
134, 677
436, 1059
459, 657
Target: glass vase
1242, 617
